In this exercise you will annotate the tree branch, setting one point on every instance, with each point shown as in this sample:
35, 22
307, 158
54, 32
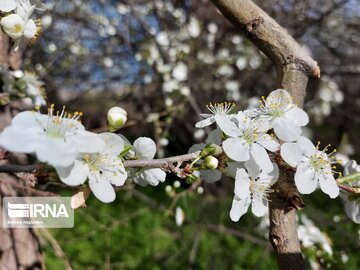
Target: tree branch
162, 163
294, 67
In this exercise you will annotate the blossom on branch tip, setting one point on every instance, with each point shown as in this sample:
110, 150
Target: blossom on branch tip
103, 169
313, 167
252, 187
116, 117
55, 138
279, 112
247, 138
215, 109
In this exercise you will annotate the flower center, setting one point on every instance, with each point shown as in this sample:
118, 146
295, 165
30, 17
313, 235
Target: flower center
259, 189
250, 135
221, 108
94, 161
319, 161
18, 28
61, 123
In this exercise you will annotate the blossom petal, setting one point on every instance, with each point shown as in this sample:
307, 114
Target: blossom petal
29, 119
298, 115
74, 175
232, 167
205, 122
7, 5
56, 152
306, 146
150, 176
279, 96
145, 148
352, 209
291, 153
30, 29
226, 125
268, 142
286, 130
239, 208
305, 179
101, 187
114, 144
117, 178
210, 176
87, 142
259, 207
196, 147
20, 141
328, 185
236, 149
242, 184
261, 157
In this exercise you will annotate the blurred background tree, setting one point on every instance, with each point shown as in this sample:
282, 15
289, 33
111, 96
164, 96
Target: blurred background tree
163, 61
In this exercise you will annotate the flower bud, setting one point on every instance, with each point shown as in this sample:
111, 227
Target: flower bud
211, 149
211, 163
116, 117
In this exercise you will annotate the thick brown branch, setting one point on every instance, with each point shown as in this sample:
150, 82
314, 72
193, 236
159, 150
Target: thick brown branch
294, 66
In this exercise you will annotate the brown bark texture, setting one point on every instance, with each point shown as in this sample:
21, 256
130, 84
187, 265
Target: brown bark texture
19, 248
294, 67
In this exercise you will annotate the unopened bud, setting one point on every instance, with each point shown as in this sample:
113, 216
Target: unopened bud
117, 118
211, 163
211, 149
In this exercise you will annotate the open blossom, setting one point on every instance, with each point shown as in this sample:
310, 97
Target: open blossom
312, 167
215, 109
103, 169
252, 186
352, 201
145, 148
279, 112
19, 26
55, 138
247, 138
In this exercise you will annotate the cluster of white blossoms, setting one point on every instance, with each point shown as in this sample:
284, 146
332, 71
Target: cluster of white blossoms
24, 86
59, 139
248, 137
16, 22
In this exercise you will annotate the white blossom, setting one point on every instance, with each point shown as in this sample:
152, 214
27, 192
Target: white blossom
116, 117
180, 72
222, 109
313, 167
252, 187
179, 216
352, 201
103, 169
279, 112
247, 138
55, 138
145, 149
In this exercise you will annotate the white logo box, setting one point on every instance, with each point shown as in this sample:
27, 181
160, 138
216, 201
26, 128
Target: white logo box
41, 212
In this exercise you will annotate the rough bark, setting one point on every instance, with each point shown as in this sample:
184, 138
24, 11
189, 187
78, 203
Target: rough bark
19, 248
294, 67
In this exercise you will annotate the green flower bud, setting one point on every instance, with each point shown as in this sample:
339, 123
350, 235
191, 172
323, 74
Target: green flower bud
117, 118
211, 163
211, 149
